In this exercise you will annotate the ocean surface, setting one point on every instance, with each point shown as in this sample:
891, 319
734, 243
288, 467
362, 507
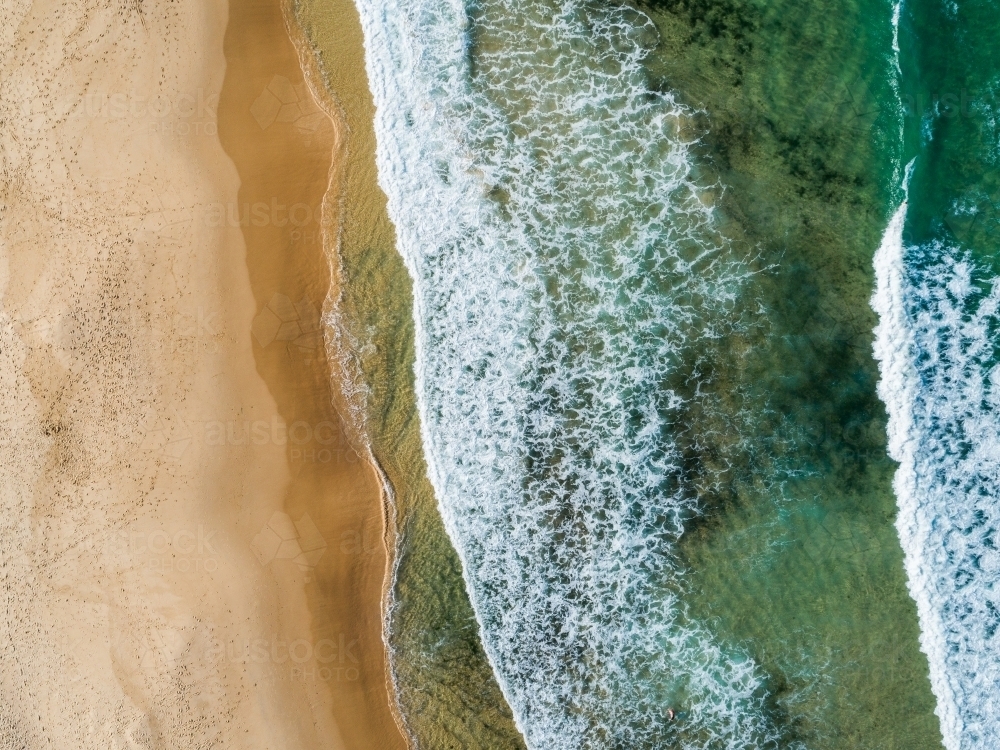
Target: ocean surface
672, 327
938, 300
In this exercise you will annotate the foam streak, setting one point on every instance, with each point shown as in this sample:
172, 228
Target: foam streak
935, 344
563, 259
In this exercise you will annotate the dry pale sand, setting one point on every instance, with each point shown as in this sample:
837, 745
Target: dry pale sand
190, 551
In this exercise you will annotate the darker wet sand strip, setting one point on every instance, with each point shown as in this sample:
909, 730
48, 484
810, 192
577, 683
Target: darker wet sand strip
283, 144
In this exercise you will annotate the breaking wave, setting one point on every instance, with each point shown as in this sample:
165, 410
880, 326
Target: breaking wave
565, 260
937, 345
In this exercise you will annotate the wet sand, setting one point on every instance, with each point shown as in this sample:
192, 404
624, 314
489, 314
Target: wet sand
447, 692
282, 143
191, 552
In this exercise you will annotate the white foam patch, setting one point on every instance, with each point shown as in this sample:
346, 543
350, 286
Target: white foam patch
563, 259
936, 343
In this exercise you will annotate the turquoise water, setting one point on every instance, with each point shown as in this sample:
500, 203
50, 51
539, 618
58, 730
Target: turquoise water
642, 242
938, 302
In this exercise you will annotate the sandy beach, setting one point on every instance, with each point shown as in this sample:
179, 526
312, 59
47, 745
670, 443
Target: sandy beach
192, 549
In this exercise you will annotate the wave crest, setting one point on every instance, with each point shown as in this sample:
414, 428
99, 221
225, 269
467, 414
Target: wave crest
565, 261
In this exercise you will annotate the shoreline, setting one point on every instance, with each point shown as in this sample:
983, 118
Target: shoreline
352, 383
328, 198
446, 691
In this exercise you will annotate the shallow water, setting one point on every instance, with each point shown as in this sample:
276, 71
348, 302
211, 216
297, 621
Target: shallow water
622, 367
447, 692
641, 246
798, 559
937, 299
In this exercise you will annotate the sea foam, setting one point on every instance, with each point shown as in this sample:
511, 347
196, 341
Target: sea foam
564, 261
936, 343
938, 321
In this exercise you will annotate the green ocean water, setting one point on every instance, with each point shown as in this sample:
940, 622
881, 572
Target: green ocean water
798, 559
794, 558
952, 94
938, 346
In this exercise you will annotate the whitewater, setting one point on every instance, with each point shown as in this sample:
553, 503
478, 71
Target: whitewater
936, 343
565, 261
